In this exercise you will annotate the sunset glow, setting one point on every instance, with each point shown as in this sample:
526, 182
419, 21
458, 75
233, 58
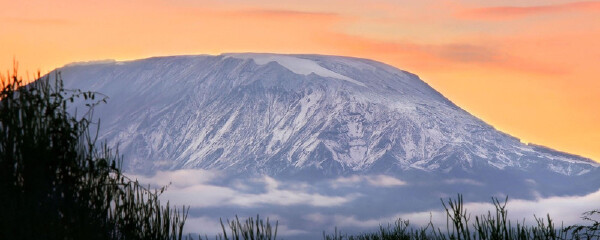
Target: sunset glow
529, 68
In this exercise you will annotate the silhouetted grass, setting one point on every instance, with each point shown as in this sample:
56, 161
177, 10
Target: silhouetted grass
251, 229
56, 182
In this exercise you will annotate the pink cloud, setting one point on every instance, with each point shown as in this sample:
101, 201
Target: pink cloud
422, 56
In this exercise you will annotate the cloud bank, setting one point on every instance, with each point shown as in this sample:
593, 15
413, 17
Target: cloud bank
201, 188
352, 204
567, 210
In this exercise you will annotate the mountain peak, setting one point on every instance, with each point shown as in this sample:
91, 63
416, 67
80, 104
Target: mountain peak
282, 114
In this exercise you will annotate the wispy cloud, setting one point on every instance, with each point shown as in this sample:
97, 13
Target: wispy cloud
443, 56
277, 194
464, 53
374, 180
465, 181
195, 188
452, 52
505, 12
208, 226
179, 178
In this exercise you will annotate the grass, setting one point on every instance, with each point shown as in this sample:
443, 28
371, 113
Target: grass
57, 182
250, 229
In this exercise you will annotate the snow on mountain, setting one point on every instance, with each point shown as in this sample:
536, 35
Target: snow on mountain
290, 114
295, 64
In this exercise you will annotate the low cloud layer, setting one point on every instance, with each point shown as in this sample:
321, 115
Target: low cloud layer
567, 210
197, 188
353, 204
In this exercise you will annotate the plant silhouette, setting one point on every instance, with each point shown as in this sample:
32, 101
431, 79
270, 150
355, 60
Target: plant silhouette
57, 182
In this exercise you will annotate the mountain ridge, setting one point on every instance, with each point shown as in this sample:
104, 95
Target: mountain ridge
348, 113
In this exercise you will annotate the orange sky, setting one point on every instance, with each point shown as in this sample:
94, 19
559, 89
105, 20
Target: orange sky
529, 68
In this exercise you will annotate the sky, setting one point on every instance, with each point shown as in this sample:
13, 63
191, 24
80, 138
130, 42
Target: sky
529, 68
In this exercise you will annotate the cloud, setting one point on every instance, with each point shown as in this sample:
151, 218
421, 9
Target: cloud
566, 210
201, 196
317, 218
432, 53
465, 181
196, 188
179, 178
504, 12
409, 55
464, 53
347, 180
205, 225
287, 197
384, 181
374, 180
310, 206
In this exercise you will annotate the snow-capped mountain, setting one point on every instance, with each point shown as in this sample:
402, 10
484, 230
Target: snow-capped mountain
289, 114
314, 141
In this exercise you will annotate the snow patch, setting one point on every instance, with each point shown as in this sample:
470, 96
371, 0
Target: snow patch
93, 62
294, 64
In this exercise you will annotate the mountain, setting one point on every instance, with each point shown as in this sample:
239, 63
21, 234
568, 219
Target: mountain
343, 141
301, 115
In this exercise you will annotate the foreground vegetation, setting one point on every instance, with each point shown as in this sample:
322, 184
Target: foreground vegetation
56, 182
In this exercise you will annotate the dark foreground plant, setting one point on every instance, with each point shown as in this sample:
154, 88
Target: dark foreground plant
251, 229
57, 183
591, 231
